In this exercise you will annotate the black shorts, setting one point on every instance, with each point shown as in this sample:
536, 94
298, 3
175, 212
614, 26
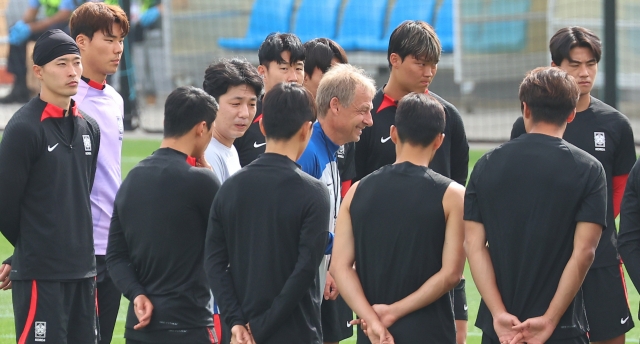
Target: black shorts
335, 315
54, 311
606, 303
460, 307
577, 340
201, 335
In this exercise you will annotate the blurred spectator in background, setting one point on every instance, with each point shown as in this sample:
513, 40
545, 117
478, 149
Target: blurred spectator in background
29, 28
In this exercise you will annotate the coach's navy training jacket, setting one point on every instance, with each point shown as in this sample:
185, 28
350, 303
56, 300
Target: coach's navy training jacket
47, 166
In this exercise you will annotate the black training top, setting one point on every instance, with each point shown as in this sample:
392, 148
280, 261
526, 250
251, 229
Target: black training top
47, 166
266, 238
629, 236
347, 161
606, 134
252, 143
399, 228
156, 241
529, 194
375, 148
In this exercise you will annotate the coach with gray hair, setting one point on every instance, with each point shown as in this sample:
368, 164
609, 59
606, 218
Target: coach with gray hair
344, 101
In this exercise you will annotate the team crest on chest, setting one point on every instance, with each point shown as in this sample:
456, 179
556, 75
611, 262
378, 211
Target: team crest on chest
341, 152
599, 140
86, 139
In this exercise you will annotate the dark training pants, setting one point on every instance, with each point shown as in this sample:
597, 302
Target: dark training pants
54, 311
108, 302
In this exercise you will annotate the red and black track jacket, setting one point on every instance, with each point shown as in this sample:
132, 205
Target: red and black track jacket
47, 166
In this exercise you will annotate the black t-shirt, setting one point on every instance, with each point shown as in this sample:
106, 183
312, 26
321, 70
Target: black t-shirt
252, 143
347, 161
375, 148
266, 238
399, 228
529, 194
606, 134
156, 241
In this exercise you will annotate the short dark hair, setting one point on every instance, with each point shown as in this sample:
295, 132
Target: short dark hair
285, 108
220, 76
419, 119
275, 44
550, 93
320, 52
92, 17
415, 38
570, 37
185, 107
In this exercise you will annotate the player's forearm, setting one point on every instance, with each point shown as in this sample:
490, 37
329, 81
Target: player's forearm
484, 275
436, 286
121, 269
216, 268
41, 25
351, 290
30, 15
570, 282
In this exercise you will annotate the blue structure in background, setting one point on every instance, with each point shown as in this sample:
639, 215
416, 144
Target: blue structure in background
267, 16
362, 25
402, 10
496, 36
317, 18
444, 26
359, 24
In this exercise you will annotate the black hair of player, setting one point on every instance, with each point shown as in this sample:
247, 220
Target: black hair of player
185, 107
415, 38
420, 118
319, 53
550, 94
225, 73
285, 108
568, 38
275, 44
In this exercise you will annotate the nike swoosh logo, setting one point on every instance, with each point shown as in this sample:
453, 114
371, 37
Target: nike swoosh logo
466, 307
383, 140
624, 321
49, 148
257, 145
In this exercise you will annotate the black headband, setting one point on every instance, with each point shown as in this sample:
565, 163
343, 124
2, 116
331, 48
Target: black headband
51, 45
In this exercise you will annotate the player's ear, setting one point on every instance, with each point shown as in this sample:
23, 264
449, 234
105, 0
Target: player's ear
305, 131
572, 116
395, 60
201, 128
393, 131
262, 70
262, 128
37, 71
81, 41
553, 64
526, 111
437, 142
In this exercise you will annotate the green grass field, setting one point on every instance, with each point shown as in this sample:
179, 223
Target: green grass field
135, 150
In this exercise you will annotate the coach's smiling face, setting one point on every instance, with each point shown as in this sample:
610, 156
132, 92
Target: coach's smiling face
349, 121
